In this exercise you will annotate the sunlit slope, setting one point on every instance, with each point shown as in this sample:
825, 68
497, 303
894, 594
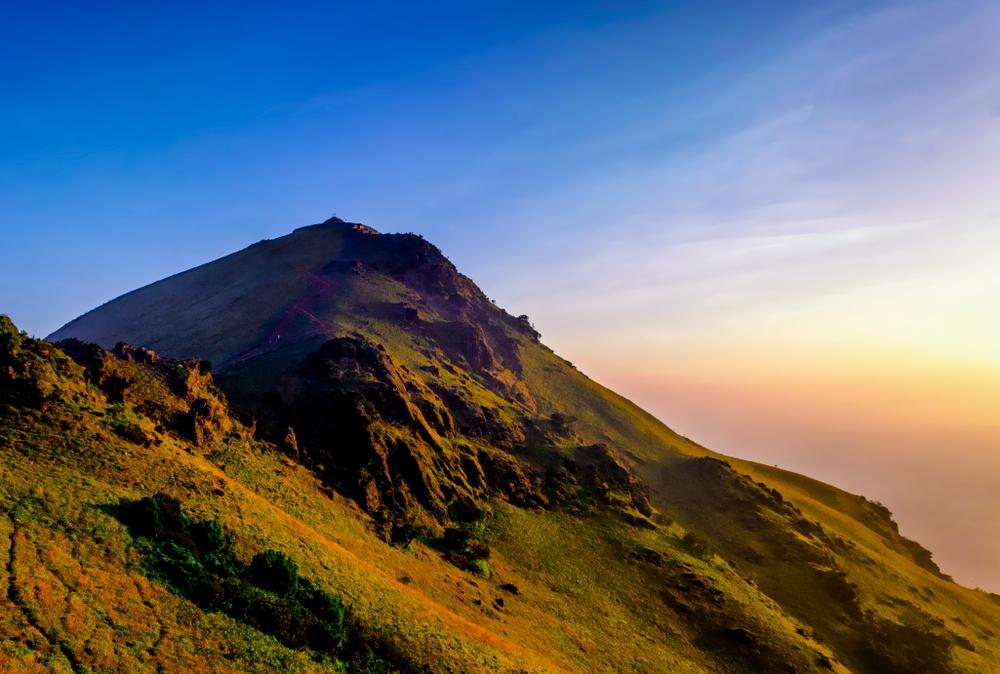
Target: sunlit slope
559, 596
217, 309
396, 383
76, 592
832, 560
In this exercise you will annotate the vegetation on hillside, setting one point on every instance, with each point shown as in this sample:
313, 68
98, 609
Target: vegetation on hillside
400, 474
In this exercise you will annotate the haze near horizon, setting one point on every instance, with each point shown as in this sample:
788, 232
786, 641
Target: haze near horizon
774, 226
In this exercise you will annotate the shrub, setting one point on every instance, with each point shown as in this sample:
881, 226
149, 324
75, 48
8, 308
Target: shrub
223, 594
456, 538
274, 571
466, 509
284, 619
479, 550
209, 536
662, 519
154, 516
697, 544
891, 648
464, 541
177, 566
122, 416
196, 561
323, 605
480, 567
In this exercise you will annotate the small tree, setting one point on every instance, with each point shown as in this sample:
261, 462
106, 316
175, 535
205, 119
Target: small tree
157, 515
274, 571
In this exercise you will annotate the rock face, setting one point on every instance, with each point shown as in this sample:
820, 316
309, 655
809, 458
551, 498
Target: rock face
147, 396
468, 341
357, 416
196, 408
385, 438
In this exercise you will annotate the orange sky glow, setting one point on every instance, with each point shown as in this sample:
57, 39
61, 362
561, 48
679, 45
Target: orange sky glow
917, 432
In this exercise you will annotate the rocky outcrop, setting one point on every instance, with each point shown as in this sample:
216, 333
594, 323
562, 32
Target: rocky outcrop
600, 468
30, 370
467, 341
177, 395
378, 434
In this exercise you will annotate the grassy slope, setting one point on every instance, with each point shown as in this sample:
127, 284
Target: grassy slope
890, 584
225, 315
578, 578
575, 575
76, 575
77, 592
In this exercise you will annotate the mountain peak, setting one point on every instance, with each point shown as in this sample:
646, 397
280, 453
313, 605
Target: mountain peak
341, 225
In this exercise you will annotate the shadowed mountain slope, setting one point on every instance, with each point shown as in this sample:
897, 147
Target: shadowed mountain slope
573, 530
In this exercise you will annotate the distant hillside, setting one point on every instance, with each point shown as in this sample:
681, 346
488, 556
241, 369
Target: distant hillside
415, 452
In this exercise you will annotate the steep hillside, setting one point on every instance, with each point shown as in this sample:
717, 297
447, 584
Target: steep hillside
477, 502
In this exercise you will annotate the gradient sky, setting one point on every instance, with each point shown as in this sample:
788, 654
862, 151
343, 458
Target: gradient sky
776, 225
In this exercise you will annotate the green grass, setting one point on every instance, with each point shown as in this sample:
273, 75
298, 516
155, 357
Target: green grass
730, 579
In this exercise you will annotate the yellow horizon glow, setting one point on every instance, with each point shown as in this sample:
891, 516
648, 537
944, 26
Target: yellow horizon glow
915, 428
876, 385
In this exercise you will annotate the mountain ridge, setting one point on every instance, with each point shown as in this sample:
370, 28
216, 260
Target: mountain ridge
392, 385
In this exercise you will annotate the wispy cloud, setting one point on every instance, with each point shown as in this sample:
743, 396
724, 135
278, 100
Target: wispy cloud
861, 200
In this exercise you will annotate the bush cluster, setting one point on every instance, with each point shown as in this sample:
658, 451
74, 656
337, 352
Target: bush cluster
697, 544
465, 548
196, 560
122, 416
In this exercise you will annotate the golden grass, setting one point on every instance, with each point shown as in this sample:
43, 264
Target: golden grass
588, 600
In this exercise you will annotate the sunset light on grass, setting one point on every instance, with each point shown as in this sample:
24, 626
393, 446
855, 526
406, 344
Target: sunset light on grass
773, 225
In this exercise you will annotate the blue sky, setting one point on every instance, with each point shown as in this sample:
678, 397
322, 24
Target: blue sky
776, 225
138, 140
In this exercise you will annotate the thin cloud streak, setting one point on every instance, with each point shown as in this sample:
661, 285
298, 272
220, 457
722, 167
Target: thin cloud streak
811, 207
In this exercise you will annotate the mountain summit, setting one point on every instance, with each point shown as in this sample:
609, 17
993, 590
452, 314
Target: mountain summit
347, 404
